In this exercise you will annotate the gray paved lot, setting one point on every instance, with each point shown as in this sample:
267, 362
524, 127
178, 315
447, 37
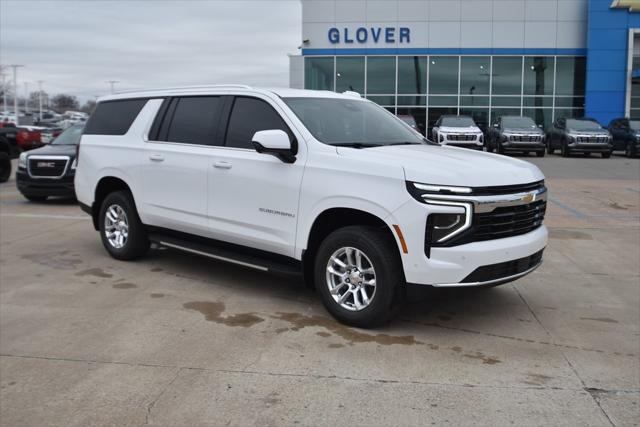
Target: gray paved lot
177, 340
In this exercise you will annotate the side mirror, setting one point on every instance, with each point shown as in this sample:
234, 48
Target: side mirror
275, 142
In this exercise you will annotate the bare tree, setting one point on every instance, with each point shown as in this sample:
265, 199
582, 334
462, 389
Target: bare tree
63, 102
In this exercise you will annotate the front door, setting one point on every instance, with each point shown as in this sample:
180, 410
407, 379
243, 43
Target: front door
253, 197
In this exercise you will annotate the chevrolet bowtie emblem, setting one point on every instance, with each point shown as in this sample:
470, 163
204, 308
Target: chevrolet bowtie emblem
528, 198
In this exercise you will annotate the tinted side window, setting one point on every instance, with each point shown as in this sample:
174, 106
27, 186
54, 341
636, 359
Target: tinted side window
195, 120
250, 115
114, 117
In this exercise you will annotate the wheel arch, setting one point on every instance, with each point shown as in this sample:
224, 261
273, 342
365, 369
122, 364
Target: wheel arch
105, 186
332, 219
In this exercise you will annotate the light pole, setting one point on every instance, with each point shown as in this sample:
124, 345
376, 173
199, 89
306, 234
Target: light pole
26, 98
15, 90
111, 84
40, 98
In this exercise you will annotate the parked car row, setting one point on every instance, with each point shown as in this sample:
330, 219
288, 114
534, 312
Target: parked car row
520, 134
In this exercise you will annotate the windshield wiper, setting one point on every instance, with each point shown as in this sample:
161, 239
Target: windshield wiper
355, 144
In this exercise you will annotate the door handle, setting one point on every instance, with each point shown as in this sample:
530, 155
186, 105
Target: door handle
221, 164
156, 157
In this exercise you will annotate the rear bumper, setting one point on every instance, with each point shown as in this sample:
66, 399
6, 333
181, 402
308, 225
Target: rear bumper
62, 187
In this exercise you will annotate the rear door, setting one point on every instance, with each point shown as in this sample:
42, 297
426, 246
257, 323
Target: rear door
176, 161
253, 197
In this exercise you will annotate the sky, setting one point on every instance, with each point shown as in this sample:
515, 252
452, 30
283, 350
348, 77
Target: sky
76, 46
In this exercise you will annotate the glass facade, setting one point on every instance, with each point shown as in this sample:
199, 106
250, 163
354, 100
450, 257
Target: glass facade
484, 87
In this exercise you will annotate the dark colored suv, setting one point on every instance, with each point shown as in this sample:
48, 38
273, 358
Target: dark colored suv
49, 170
515, 134
626, 136
584, 136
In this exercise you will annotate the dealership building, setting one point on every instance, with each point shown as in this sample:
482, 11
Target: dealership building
541, 58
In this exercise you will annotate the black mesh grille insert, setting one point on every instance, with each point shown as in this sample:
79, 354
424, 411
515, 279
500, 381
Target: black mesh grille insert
501, 270
508, 221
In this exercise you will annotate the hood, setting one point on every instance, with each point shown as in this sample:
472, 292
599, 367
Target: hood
465, 129
55, 150
527, 131
432, 164
588, 132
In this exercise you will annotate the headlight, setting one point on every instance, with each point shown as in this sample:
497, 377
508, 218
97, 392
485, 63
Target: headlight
441, 137
22, 161
571, 138
443, 226
481, 139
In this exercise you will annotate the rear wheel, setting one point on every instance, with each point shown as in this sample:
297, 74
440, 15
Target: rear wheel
5, 167
359, 276
123, 234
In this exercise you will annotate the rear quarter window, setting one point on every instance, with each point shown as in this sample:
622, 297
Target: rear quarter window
114, 117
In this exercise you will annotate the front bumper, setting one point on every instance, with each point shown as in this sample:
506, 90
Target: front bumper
472, 145
590, 147
61, 187
453, 266
523, 146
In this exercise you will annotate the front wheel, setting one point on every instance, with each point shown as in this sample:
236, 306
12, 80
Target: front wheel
359, 276
123, 234
550, 149
35, 198
564, 150
540, 153
606, 154
630, 150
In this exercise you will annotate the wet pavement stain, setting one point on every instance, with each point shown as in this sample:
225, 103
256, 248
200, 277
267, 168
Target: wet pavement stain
156, 295
124, 285
96, 272
537, 379
487, 360
352, 336
335, 345
615, 205
600, 319
60, 260
569, 234
323, 334
156, 269
212, 312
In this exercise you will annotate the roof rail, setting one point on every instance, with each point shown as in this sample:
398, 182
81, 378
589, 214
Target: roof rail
241, 86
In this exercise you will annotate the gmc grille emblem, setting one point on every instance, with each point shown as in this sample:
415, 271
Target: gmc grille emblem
46, 164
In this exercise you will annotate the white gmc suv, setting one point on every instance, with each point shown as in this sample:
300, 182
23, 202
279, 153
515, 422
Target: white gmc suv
328, 185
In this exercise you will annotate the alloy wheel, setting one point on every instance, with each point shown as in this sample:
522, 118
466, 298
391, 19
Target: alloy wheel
351, 278
116, 226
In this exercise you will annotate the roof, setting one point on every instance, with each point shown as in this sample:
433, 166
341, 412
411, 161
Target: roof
226, 89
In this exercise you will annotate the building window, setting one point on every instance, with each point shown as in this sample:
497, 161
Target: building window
443, 75
350, 73
412, 75
538, 75
318, 73
507, 75
570, 76
475, 75
381, 75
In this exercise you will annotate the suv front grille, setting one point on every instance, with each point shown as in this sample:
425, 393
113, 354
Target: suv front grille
508, 221
525, 138
599, 139
462, 137
41, 167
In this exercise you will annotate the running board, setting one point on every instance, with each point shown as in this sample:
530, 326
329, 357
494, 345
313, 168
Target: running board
229, 255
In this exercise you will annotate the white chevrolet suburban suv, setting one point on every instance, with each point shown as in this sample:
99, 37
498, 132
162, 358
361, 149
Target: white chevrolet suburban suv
327, 185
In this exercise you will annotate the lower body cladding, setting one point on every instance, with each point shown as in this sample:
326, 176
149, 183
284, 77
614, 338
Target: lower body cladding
478, 263
44, 187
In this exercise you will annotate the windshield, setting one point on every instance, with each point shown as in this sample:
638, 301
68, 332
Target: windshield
457, 121
518, 122
583, 125
634, 124
351, 122
71, 136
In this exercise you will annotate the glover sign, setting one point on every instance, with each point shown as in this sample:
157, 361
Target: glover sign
362, 35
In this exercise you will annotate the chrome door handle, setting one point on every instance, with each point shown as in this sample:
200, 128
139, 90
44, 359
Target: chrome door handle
156, 157
222, 165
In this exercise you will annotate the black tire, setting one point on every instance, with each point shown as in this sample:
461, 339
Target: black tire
587, 154
630, 150
606, 154
381, 250
137, 242
564, 150
5, 167
500, 149
35, 198
540, 153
